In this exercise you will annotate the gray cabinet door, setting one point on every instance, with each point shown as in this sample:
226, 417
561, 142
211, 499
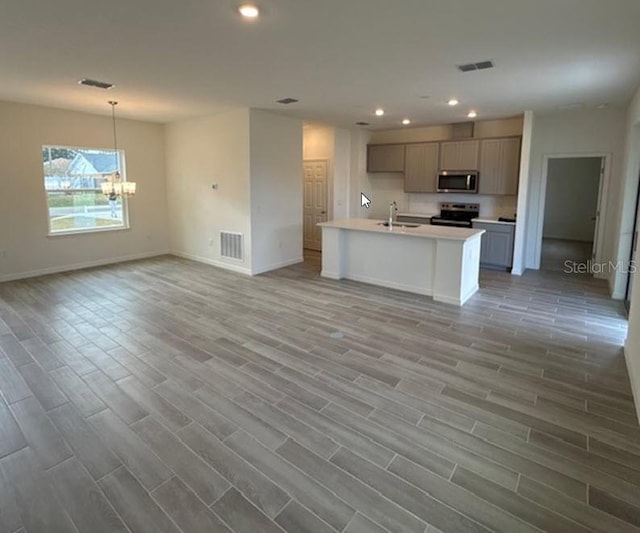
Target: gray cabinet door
489, 179
421, 167
510, 165
499, 166
500, 248
385, 158
459, 155
496, 248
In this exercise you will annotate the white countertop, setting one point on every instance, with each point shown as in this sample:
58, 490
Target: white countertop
424, 231
484, 220
493, 221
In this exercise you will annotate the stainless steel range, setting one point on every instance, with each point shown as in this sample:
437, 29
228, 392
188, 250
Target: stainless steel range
456, 215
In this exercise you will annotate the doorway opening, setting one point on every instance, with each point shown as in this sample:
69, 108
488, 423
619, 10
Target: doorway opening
315, 202
571, 214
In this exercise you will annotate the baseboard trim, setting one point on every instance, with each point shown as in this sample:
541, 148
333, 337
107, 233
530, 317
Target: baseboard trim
330, 275
80, 266
276, 266
390, 284
213, 262
633, 376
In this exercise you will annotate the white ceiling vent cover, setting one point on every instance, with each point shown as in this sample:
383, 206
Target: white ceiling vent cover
232, 245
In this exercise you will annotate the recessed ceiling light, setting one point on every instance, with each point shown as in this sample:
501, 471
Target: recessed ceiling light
287, 101
602, 106
361, 123
472, 114
379, 112
249, 11
453, 102
406, 122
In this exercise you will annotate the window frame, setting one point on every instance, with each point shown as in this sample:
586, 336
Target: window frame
90, 230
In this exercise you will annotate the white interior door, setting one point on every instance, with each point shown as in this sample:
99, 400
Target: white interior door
315, 202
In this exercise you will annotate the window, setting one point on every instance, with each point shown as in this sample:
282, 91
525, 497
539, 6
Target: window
72, 181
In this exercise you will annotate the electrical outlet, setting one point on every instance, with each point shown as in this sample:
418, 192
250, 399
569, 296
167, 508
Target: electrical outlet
210, 242
3, 254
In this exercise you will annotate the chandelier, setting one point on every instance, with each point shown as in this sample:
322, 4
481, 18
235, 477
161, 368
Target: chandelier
115, 187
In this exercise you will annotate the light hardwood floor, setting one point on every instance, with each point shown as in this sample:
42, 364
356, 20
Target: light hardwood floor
165, 395
560, 254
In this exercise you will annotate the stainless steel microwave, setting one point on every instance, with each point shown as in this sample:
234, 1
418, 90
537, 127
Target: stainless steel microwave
458, 181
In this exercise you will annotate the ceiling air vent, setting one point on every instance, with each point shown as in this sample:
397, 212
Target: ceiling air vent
363, 123
95, 83
480, 65
287, 101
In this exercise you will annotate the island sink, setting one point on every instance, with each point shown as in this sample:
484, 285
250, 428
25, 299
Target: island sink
398, 225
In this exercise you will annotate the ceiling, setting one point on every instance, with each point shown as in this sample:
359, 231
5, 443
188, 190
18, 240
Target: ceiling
341, 58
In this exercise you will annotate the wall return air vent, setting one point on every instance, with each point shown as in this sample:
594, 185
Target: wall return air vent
231, 245
480, 65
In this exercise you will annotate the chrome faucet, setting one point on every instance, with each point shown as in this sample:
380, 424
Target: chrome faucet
393, 210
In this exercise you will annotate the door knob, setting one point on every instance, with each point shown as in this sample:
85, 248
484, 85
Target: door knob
323, 212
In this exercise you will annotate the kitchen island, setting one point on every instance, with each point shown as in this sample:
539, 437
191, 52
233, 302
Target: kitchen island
442, 262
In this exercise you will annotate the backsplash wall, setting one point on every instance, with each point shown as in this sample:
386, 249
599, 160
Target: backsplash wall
490, 206
386, 188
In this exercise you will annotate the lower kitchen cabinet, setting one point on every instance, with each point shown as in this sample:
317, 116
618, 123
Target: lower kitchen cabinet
496, 250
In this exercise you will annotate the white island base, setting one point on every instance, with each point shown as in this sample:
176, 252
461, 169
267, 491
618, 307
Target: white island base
436, 261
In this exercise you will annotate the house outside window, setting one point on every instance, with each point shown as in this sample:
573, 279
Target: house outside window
73, 178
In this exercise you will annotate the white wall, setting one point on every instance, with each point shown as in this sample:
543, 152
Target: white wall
255, 158
482, 129
341, 173
23, 208
588, 132
577, 178
334, 146
276, 191
519, 250
200, 152
359, 181
627, 214
628, 193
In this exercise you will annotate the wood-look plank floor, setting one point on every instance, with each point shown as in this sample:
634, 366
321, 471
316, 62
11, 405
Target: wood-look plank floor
166, 395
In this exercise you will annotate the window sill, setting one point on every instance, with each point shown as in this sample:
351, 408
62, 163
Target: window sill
86, 231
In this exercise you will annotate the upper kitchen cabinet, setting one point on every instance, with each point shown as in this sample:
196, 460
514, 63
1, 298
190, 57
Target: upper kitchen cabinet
459, 155
421, 167
499, 166
385, 158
